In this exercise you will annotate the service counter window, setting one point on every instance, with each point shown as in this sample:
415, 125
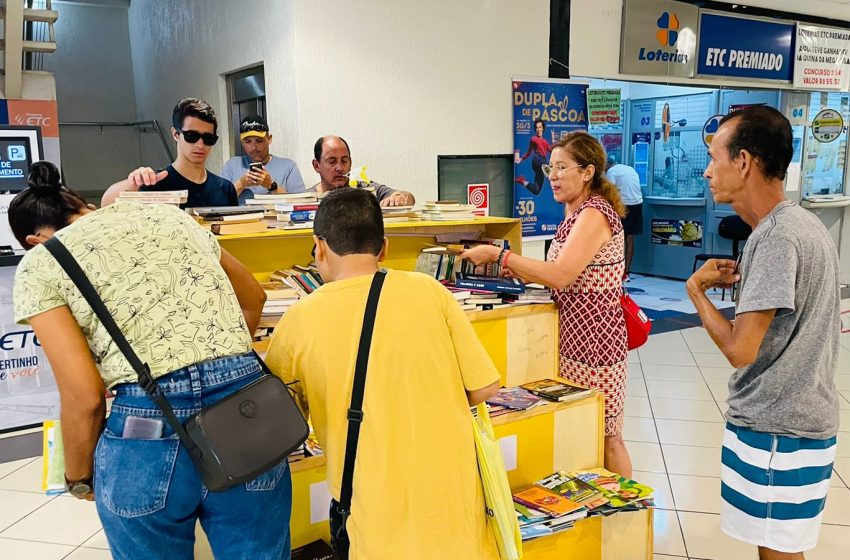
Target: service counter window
825, 146
679, 154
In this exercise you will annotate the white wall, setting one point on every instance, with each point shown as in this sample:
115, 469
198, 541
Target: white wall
182, 49
402, 83
94, 82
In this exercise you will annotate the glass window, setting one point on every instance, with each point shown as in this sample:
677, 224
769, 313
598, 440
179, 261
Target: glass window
679, 154
824, 162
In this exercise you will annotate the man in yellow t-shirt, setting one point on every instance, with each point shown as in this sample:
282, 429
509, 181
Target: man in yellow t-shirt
416, 492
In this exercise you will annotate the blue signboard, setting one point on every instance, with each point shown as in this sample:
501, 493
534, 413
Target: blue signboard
544, 112
734, 47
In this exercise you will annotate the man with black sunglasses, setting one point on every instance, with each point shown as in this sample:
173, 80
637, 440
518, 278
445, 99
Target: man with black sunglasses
277, 175
194, 128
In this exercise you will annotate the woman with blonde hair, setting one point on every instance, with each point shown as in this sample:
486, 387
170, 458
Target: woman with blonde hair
584, 268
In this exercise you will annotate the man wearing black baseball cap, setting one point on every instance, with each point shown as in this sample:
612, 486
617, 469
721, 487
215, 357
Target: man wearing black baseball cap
277, 174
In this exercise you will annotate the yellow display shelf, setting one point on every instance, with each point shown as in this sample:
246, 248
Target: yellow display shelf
523, 343
518, 339
555, 436
266, 252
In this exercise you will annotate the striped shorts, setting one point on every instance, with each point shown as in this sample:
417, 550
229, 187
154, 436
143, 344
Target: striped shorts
774, 488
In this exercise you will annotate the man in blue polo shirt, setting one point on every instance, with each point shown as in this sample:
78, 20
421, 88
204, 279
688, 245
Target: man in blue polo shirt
278, 175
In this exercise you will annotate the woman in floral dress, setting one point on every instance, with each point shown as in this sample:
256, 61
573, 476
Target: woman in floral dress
584, 268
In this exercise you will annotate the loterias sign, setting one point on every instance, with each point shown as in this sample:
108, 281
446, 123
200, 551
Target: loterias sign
744, 48
658, 38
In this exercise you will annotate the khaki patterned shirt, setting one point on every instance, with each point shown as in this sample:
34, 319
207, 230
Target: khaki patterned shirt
160, 276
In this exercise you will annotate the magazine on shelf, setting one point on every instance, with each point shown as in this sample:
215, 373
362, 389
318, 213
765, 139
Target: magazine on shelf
555, 390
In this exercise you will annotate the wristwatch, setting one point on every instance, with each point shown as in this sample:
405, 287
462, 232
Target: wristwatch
79, 488
273, 186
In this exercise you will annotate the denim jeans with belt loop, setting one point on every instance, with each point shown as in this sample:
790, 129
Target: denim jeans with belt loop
149, 495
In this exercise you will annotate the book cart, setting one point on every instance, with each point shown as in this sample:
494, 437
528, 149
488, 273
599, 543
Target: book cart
523, 343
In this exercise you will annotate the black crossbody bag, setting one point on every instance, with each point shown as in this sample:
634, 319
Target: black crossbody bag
232, 441
341, 510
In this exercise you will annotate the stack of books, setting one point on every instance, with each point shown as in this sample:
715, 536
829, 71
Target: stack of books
555, 502
447, 211
534, 293
310, 448
541, 511
621, 494
279, 298
155, 197
297, 213
443, 263
486, 288
224, 220
303, 279
395, 214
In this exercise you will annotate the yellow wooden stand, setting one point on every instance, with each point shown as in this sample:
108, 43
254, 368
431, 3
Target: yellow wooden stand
523, 343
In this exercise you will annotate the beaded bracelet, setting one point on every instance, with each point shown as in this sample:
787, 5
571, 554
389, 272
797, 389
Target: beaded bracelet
501, 256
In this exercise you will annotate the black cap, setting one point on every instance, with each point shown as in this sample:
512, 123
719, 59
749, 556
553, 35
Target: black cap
253, 124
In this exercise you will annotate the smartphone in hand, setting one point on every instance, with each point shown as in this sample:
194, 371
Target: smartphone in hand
255, 166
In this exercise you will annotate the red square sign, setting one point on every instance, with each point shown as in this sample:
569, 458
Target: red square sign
478, 195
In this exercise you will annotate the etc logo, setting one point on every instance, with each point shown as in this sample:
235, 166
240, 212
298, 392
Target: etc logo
668, 29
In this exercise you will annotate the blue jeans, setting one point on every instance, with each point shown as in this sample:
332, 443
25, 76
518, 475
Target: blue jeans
149, 495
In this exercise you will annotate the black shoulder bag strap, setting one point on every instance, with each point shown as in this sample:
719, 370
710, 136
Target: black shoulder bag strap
355, 412
67, 261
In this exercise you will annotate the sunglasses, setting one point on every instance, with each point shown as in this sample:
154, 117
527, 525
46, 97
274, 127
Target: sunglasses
255, 126
192, 136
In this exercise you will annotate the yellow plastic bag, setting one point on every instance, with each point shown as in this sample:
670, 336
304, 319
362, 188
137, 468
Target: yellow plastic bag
53, 459
498, 500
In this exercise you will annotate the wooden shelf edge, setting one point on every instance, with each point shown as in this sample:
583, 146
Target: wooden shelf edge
512, 311
548, 408
390, 228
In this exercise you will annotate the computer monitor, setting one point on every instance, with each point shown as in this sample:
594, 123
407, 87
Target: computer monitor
455, 173
20, 146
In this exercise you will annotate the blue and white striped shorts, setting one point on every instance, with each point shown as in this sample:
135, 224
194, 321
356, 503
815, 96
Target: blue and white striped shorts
774, 488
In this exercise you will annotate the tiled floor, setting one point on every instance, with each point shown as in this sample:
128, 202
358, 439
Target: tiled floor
675, 398
666, 294
674, 423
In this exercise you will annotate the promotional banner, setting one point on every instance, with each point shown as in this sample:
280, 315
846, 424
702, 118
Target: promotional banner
658, 38
603, 106
28, 392
682, 233
736, 47
35, 112
822, 61
544, 111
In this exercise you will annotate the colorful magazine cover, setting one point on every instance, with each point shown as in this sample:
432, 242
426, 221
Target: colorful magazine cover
515, 398
620, 491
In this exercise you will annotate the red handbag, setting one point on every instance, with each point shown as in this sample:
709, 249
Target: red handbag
638, 324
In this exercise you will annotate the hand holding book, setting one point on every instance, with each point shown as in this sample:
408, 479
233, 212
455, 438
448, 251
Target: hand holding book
482, 254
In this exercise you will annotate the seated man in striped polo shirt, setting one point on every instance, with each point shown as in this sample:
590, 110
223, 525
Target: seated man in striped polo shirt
780, 438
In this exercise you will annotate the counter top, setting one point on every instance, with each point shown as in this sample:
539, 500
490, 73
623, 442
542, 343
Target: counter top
414, 226
671, 201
